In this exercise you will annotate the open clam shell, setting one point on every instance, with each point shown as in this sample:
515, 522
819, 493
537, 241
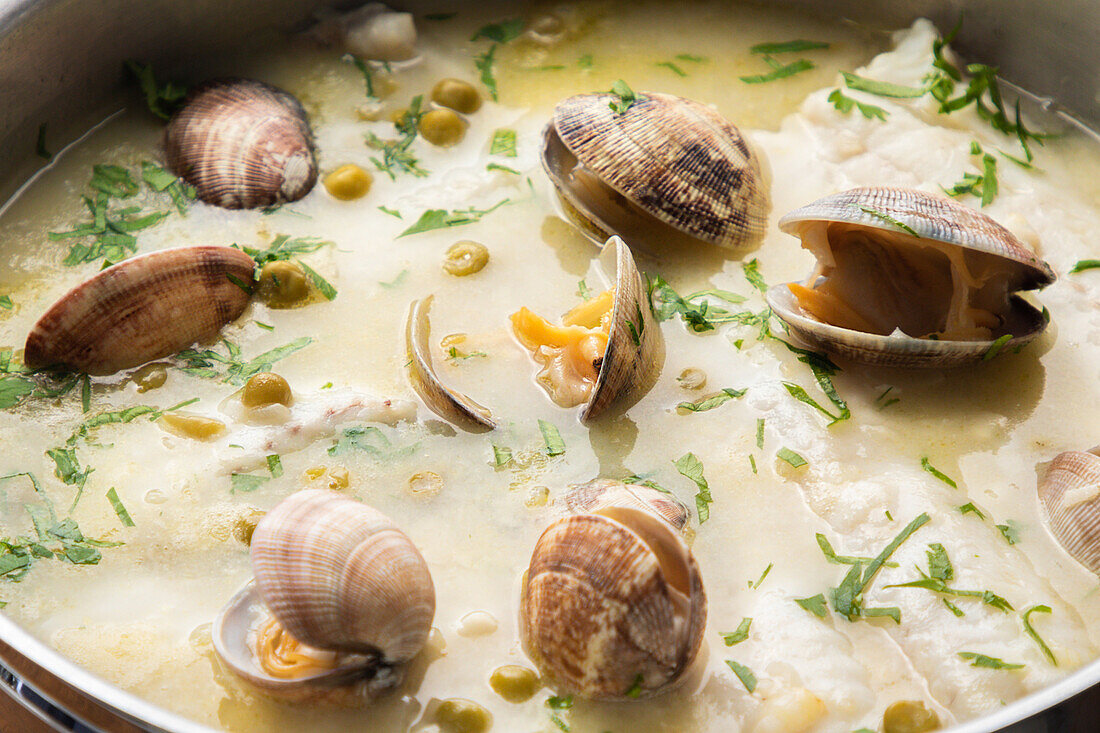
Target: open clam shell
340, 577
449, 404
1070, 495
612, 607
142, 309
665, 170
242, 144
909, 280
602, 495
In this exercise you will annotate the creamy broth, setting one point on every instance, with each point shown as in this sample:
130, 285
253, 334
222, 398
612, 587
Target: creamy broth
140, 617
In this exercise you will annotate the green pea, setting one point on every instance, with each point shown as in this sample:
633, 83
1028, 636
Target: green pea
150, 376
457, 95
514, 683
465, 258
456, 715
266, 388
909, 716
442, 127
283, 284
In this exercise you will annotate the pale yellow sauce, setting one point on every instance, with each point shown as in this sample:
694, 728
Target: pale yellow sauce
140, 617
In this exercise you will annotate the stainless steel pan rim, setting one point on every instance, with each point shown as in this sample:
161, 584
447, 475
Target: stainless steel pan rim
1039, 55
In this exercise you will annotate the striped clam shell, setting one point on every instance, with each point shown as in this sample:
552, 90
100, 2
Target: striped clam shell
915, 215
599, 495
1070, 495
142, 309
339, 575
449, 404
675, 159
612, 607
242, 144
635, 345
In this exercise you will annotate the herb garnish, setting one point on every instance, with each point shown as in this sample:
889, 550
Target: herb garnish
210, 364
889, 220
162, 99
814, 604
940, 571
981, 660
927, 466
739, 635
844, 105
760, 433
370, 440
365, 70
779, 71
883, 403
503, 143
1083, 265
710, 401
1010, 531
969, 508
790, 457
748, 679
787, 47
551, 438
120, 510
881, 88
502, 455
274, 465
500, 34
762, 576
996, 346
163, 181
984, 185
1035, 636
241, 483
831, 556
691, 467
395, 153
626, 97
441, 219
672, 67
642, 481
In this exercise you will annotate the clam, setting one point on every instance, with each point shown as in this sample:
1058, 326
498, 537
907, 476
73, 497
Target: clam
142, 309
601, 494
242, 144
612, 604
449, 404
608, 351
341, 600
665, 171
906, 278
1070, 495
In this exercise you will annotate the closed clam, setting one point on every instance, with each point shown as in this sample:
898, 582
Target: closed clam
444, 401
1070, 495
612, 604
142, 309
600, 494
608, 352
664, 171
242, 144
906, 278
341, 599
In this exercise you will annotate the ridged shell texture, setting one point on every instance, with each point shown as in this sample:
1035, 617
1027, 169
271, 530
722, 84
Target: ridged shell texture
1070, 495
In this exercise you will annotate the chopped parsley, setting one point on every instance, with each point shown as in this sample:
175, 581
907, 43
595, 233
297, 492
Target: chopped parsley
120, 510
323, 286
983, 185
274, 465
739, 634
396, 156
692, 468
981, 660
500, 34
365, 70
162, 99
762, 576
787, 47
585, 61
844, 104
442, 219
800, 394
230, 367
1035, 636
692, 58
814, 604
1010, 531
502, 455
5, 302
455, 356
996, 346
503, 143
636, 688
883, 403
1083, 265
831, 556
551, 438
626, 97
503, 168
711, 401
881, 88
370, 440
760, 433
927, 466
969, 508
882, 216
163, 181
779, 70
748, 679
241, 483
672, 67
940, 571
790, 457
642, 481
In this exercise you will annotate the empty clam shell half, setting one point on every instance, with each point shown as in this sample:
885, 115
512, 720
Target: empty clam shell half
142, 309
574, 369
600, 495
449, 404
665, 170
338, 576
906, 278
613, 606
242, 144
1070, 495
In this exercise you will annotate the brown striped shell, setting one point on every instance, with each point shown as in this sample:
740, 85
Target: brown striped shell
666, 169
612, 605
1070, 495
142, 309
449, 404
242, 144
600, 494
980, 264
339, 576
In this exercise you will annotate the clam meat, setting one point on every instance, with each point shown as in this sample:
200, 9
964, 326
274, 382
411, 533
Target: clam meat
612, 604
601, 495
378, 33
341, 601
1070, 496
666, 171
142, 309
906, 278
608, 351
242, 144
